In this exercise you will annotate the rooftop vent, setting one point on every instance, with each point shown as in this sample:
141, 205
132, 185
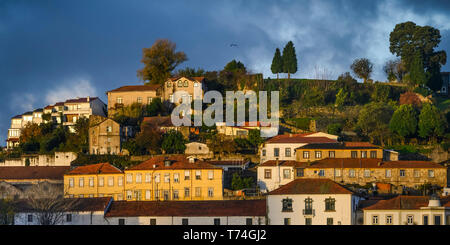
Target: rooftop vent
167, 163
434, 201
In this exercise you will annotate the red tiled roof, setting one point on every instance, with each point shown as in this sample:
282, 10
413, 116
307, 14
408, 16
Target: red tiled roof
188, 208
99, 168
311, 186
178, 162
404, 202
343, 145
273, 163
227, 162
299, 138
59, 104
81, 100
371, 163
359, 144
71, 204
158, 121
129, 88
13, 139
33, 172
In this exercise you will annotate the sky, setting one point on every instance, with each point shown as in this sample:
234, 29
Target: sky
51, 51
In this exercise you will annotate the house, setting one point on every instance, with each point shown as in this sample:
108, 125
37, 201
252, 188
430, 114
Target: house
194, 88
242, 130
173, 178
128, 95
317, 151
82, 107
445, 83
106, 136
14, 132
95, 180
82, 211
409, 210
55, 159
197, 149
312, 202
283, 147
229, 212
361, 171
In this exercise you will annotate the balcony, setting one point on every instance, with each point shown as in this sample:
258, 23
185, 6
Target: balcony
309, 212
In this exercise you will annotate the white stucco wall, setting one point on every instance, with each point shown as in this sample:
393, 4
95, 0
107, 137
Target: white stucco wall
277, 177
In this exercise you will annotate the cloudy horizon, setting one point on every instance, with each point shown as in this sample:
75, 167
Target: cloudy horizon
55, 50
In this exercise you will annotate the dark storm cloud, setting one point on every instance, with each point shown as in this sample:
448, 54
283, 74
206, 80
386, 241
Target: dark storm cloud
52, 50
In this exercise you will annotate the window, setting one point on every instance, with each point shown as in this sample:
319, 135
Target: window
152, 221
354, 154
129, 178
308, 206
210, 174
276, 152
367, 173
120, 181
248, 221
175, 195
287, 205
210, 192
306, 154
198, 191
375, 220
186, 192
30, 218
171, 98
81, 182
111, 181
410, 220
176, 177
139, 178
180, 83
166, 195
100, 181
198, 174
68, 217
148, 178
129, 195
186, 174
139, 100
425, 220
108, 130
329, 221
389, 219
149, 100
267, 173
157, 180
91, 182
186, 83
287, 221
119, 100
148, 195
373, 154
169, 84
264, 152
185, 222
300, 172
156, 194
416, 173
331, 154
437, 220
337, 172
286, 173
330, 204
287, 152
388, 173
351, 173
121, 221
318, 154
216, 221
402, 173
195, 84
430, 173
166, 178
70, 182
363, 154
308, 221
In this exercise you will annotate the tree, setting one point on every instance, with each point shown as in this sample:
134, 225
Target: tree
362, 68
373, 121
160, 60
255, 139
148, 140
173, 142
395, 70
48, 203
190, 72
277, 63
6, 212
431, 122
289, 59
334, 128
417, 74
404, 121
154, 108
239, 183
235, 66
381, 93
30, 132
82, 134
341, 99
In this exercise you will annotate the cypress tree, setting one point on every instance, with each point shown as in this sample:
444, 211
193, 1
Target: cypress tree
277, 63
417, 73
289, 59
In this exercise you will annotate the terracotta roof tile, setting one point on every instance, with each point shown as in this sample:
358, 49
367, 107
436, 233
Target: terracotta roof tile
272, 163
129, 88
81, 100
299, 138
33, 172
73, 204
345, 145
227, 162
188, 208
99, 168
311, 186
370, 163
177, 162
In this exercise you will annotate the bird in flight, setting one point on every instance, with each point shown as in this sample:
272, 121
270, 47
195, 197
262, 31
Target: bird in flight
233, 45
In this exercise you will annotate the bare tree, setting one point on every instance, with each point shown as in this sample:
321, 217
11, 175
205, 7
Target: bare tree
47, 202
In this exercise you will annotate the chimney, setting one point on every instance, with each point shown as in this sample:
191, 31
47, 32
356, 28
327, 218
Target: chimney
167, 162
154, 165
88, 99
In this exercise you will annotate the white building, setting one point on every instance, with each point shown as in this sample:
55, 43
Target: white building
274, 173
409, 210
76, 108
282, 147
56, 159
312, 202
